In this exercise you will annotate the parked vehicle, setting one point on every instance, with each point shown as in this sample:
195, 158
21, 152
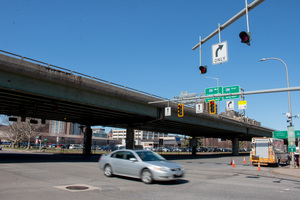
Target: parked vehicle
75, 146
268, 151
148, 148
143, 164
162, 149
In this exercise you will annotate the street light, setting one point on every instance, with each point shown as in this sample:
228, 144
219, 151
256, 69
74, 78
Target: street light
288, 85
290, 109
218, 92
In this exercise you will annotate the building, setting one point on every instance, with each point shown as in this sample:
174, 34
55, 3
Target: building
99, 133
64, 128
138, 134
239, 117
144, 138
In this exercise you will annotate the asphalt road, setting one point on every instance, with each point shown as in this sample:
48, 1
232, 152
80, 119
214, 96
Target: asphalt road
28, 176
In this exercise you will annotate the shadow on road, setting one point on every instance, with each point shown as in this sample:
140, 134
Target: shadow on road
17, 157
43, 158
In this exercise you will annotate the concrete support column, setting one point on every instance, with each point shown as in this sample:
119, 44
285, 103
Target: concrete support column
194, 144
87, 141
130, 138
235, 146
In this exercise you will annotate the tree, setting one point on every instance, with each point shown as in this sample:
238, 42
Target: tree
21, 131
29, 130
14, 134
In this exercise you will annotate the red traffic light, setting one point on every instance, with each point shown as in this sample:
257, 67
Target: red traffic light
245, 37
180, 110
203, 69
212, 107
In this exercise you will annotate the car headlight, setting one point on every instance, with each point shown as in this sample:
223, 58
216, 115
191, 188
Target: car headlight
164, 169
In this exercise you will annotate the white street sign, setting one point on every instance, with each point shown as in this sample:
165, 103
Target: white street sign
219, 53
229, 105
167, 111
242, 105
199, 108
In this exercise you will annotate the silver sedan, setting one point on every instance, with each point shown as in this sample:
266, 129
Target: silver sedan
143, 164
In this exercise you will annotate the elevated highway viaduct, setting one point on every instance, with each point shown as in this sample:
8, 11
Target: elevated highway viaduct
34, 89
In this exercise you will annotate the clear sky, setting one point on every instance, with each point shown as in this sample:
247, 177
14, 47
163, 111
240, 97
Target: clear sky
147, 45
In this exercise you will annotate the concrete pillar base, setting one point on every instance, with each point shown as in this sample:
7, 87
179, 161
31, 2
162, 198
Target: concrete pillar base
87, 141
130, 138
235, 146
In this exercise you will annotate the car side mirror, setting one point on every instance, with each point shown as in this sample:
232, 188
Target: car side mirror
133, 159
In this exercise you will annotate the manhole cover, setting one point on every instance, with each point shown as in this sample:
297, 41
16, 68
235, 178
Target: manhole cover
77, 187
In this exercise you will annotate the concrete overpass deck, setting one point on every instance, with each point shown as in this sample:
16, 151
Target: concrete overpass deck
38, 90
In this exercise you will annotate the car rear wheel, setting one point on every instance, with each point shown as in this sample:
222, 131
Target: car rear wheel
147, 176
108, 171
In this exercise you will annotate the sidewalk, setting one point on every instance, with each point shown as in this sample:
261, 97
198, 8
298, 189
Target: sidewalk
288, 171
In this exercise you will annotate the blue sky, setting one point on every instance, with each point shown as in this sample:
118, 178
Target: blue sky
147, 45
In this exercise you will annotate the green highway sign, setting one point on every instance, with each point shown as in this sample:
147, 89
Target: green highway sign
297, 133
291, 148
231, 90
213, 91
280, 134
216, 99
284, 134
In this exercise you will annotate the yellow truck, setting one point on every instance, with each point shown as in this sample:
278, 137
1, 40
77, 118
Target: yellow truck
268, 151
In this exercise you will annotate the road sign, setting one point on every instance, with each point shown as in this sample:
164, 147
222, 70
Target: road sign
199, 108
229, 105
280, 134
284, 134
231, 90
292, 148
291, 139
219, 53
167, 111
242, 105
297, 134
213, 91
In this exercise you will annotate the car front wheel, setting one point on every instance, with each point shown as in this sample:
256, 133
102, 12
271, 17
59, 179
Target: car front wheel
108, 171
147, 176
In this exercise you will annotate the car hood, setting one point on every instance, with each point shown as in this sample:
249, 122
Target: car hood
165, 163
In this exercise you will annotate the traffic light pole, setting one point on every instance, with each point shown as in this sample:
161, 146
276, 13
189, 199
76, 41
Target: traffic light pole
248, 29
230, 21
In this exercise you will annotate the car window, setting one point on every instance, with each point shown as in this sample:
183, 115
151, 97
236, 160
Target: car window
149, 156
118, 154
129, 155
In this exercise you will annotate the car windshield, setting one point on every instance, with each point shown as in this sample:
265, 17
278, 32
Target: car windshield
149, 156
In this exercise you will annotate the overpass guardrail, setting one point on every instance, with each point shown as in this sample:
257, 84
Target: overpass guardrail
83, 75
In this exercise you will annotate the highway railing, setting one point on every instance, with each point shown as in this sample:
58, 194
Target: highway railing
83, 75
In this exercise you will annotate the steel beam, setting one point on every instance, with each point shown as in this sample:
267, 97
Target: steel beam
234, 94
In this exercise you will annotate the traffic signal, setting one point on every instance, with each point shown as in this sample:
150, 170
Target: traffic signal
180, 110
212, 107
203, 69
245, 37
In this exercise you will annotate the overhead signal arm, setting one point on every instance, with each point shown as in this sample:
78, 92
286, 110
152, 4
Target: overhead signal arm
229, 22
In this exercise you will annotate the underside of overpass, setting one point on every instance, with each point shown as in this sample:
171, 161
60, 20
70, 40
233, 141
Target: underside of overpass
37, 91
18, 103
